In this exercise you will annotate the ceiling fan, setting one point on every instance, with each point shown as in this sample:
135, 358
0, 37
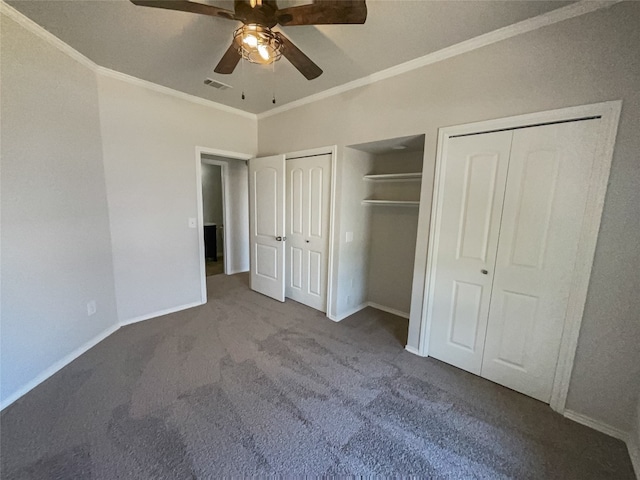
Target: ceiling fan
256, 41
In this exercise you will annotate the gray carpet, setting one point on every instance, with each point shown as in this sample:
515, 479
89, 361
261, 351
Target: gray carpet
248, 386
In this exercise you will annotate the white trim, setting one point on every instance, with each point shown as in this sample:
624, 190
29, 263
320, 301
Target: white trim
160, 313
596, 425
200, 212
610, 114
559, 15
348, 313
57, 366
51, 39
65, 48
234, 272
328, 150
413, 350
390, 310
107, 72
634, 453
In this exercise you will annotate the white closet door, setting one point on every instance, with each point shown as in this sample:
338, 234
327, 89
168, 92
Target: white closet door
308, 190
470, 198
544, 206
266, 225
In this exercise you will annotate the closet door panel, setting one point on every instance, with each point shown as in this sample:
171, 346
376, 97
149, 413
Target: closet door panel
308, 202
544, 205
470, 199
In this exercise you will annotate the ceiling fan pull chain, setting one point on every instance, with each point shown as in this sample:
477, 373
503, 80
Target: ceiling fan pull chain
242, 75
273, 81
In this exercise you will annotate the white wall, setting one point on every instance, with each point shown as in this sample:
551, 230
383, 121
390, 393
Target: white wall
212, 193
56, 247
588, 59
237, 226
350, 259
149, 142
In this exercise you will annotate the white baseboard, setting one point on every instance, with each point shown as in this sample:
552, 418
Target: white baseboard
597, 425
160, 313
633, 445
348, 313
59, 365
390, 310
415, 351
233, 272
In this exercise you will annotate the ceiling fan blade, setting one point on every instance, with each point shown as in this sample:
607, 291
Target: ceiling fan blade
324, 12
229, 60
298, 59
186, 6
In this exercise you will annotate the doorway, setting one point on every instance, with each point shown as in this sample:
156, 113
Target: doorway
223, 213
213, 216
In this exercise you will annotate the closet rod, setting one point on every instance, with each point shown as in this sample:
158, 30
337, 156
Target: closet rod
527, 126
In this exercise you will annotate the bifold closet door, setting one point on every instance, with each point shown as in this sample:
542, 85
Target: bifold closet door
470, 196
308, 203
266, 225
545, 199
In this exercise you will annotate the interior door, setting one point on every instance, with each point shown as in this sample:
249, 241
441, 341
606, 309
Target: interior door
266, 225
308, 203
472, 184
544, 206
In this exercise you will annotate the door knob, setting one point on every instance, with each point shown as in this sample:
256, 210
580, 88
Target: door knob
307, 241
278, 239
483, 271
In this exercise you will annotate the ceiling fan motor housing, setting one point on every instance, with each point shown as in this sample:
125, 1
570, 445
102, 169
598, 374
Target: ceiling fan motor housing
263, 13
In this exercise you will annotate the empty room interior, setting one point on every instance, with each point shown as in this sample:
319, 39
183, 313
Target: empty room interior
319, 238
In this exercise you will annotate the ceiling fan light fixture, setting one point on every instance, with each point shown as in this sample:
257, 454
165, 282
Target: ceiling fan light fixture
258, 44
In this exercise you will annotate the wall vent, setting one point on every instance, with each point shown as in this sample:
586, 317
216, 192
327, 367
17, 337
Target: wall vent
216, 84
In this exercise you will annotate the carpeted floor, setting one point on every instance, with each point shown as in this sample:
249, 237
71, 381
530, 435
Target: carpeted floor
248, 386
214, 267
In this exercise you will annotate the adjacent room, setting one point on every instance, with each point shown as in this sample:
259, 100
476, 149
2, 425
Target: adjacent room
319, 238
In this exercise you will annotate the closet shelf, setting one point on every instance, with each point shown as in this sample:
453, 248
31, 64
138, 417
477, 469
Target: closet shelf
395, 176
395, 203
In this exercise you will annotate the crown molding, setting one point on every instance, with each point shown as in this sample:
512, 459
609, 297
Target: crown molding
577, 9
50, 38
107, 72
65, 48
555, 16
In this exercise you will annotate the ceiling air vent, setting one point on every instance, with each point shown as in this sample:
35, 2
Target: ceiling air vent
216, 84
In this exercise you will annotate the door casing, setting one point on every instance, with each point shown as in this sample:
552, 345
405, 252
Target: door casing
609, 113
225, 202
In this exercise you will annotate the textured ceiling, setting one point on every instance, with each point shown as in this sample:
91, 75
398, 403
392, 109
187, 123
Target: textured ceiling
179, 50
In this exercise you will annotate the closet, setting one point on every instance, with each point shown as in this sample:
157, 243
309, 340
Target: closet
289, 212
380, 215
508, 216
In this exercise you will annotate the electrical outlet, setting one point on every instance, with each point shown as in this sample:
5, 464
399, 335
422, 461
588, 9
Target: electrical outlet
91, 308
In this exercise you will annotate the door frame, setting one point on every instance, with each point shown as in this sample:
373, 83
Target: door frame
329, 150
225, 206
609, 113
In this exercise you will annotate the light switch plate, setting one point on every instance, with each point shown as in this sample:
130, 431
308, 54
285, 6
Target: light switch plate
349, 237
192, 223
